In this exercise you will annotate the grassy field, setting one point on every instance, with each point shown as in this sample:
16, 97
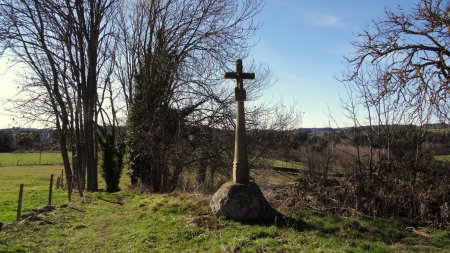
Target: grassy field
36, 180
443, 158
130, 221
284, 164
30, 158
272, 177
133, 222
334, 168
439, 130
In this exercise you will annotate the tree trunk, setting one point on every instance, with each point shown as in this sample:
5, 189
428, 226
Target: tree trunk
62, 131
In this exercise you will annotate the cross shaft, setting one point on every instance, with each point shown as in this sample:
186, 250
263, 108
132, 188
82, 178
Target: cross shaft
240, 162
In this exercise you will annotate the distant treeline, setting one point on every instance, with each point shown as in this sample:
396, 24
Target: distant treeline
27, 139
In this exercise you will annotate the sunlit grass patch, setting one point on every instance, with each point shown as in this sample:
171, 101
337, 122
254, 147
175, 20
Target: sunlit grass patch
283, 164
36, 180
443, 158
30, 158
272, 177
133, 222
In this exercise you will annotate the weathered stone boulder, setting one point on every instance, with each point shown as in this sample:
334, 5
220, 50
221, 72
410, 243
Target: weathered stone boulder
242, 202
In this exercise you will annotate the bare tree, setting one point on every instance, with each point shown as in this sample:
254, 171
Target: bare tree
168, 57
205, 35
63, 43
23, 32
176, 53
412, 51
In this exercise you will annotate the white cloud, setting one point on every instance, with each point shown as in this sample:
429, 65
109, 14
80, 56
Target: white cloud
322, 19
314, 17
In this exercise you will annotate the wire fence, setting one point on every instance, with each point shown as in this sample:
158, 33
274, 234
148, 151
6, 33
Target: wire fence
60, 184
31, 159
34, 163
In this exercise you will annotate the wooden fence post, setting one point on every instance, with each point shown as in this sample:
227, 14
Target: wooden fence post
62, 179
58, 180
19, 204
69, 188
50, 190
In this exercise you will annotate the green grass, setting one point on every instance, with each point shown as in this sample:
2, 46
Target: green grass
30, 158
272, 177
180, 223
443, 158
284, 164
439, 130
133, 222
36, 180
334, 168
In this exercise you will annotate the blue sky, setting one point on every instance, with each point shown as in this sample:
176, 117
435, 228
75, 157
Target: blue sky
304, 42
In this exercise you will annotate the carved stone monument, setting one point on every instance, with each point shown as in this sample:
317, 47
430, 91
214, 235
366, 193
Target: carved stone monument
240, 163
240, 199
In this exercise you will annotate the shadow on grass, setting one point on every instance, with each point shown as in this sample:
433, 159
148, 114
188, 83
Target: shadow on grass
387, 232
376, 230
283, 221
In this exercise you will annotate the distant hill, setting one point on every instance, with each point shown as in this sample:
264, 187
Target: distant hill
317, 130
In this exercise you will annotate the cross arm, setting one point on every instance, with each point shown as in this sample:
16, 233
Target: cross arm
234, 75
248, 75
231, 75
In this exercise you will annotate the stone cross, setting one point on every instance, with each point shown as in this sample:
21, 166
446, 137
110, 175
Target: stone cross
240, 163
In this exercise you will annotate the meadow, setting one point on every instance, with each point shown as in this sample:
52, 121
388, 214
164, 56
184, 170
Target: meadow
30, 158
36, 180
443, 158
138, 221
284, 164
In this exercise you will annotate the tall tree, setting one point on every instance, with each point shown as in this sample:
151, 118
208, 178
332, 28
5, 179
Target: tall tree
63, 44
176, 53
